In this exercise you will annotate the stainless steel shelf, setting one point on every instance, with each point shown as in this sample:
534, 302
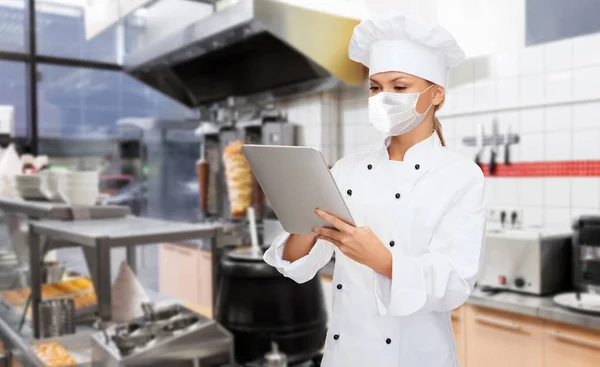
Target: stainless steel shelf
129, 231
48, 210
97, 237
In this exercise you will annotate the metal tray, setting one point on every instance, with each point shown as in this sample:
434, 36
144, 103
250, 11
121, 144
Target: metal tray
78, 345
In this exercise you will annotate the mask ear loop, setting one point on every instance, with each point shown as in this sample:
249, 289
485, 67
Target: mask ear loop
417, 101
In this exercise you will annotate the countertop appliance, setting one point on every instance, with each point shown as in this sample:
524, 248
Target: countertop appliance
533, 260
171, 336
259, 306
586, 254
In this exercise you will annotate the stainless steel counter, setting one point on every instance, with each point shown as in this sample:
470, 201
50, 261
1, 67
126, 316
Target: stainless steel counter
527, 305
18, 341
97, 237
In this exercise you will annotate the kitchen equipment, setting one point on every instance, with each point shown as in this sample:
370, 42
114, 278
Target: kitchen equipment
52, 180
479, 144
239, 179
260, 306
253, 231
275, 358
586, 254
52, 271
277, 46
581, 302
507, 148
81, 188
531, 260
494, 151
29, 187
173, 336
57, 317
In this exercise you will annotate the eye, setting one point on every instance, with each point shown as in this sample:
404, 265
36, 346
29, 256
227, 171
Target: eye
374, 88
399, 88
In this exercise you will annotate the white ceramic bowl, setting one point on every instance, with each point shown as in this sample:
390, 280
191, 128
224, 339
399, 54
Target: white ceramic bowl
85, 196
83, 176
52, 182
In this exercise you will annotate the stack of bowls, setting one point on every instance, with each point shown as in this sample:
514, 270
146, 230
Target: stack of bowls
52, 181
29, 187
81, 188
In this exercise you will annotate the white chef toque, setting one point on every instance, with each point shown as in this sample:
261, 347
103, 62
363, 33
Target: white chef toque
406, 44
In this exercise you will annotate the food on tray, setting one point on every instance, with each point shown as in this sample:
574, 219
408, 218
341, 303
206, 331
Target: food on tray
85, 299
54, 355
16, 296
239, 178
66, 288
75, 285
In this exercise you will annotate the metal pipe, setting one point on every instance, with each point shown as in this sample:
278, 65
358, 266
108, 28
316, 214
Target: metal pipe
32, 104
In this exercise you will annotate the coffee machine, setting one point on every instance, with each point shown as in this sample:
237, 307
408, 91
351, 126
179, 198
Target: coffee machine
586, 254
585, 268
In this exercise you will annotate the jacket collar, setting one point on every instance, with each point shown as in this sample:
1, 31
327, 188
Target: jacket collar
420, 153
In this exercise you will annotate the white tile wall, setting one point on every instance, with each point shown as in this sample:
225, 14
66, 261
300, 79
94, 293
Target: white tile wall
558, 146
558, 118
531, 192
557, 217
485, 94
532, 89
559, 55
557, 192
559, 86
508, 191
532, 120
586, 82
585, 192
507, 65
586, 144
533, 216
586, 50
508, 92
531, 147
586, 115
532, 60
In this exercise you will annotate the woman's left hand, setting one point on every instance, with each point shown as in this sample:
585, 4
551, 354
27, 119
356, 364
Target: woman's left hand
359, 244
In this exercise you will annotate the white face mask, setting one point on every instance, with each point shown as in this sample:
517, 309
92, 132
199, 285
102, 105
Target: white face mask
395, 113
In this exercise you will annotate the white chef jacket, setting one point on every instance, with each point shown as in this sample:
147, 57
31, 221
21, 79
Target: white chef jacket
429, 211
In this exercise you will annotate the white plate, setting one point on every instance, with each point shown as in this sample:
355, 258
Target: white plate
588, 302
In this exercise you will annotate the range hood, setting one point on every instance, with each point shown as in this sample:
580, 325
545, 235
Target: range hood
248, 48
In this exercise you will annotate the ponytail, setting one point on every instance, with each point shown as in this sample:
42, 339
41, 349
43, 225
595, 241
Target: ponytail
437, 126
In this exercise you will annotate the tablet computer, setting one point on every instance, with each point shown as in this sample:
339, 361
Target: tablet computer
296, 180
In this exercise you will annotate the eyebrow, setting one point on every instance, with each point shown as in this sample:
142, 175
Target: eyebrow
392, 81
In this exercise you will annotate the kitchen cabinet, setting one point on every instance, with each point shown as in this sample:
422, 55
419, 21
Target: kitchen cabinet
501, 339
460, 333
566, 345
185, 273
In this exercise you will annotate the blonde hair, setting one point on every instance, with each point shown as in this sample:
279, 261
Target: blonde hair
437, 125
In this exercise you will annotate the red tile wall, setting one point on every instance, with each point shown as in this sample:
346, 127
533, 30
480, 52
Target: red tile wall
546, 169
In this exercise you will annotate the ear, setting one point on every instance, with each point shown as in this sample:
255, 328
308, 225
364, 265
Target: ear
438, 95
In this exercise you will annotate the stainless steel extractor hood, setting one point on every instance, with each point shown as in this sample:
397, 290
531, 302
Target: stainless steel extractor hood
248, 48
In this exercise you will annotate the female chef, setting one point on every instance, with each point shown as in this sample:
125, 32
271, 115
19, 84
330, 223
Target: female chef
419, 207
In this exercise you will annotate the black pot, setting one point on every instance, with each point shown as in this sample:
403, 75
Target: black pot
258, 306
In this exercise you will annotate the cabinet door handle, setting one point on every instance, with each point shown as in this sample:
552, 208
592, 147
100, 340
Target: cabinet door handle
574, 339
498, 323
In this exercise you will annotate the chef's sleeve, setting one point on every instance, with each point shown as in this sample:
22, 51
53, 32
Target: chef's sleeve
305, 268
441, 279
